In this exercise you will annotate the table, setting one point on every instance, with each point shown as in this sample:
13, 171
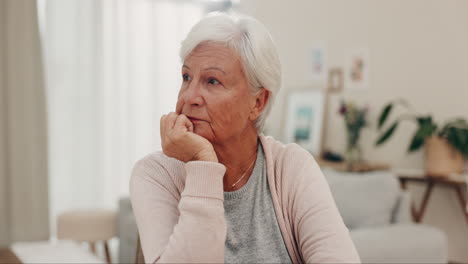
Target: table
456, 182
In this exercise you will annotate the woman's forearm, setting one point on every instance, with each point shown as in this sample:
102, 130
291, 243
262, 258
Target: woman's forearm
192, 229
200, 234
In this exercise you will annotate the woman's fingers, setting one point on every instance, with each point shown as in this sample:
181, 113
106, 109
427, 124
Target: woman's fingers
182, 122
179, 144
173, 121
162, 125
170, 121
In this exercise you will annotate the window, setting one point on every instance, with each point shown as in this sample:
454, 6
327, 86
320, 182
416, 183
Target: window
112, 70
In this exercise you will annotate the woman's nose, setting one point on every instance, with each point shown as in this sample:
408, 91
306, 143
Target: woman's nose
192, 95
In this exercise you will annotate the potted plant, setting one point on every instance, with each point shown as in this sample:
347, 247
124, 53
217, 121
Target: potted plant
446, 147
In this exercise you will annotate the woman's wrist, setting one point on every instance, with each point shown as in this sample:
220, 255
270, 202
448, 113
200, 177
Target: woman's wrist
206, 156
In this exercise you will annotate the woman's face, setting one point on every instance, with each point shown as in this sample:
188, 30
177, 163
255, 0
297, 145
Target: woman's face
215, 95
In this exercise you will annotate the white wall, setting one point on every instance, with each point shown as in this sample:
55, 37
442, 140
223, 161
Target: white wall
418, 51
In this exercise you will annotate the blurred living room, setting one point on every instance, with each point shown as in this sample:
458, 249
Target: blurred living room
376, 91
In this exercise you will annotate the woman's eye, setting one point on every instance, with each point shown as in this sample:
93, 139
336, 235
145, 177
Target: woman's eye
213, 81
185, 77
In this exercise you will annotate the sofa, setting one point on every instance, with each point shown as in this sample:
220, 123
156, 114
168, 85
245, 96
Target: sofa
378, 214
373, 207
127, 232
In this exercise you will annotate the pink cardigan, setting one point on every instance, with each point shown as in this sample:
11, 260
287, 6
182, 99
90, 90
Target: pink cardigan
180, 213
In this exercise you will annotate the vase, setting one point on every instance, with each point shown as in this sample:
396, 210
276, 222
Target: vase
353, 154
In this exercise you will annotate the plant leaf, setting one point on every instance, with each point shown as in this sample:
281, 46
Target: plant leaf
385, 136
456, 132
461, 142
417, 141
384, 115
424, 120
426, 129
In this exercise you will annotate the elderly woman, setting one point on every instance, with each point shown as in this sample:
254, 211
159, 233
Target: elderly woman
220, 191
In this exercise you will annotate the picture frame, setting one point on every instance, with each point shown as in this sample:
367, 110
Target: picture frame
318, 62
335, 80
357, 69
304, 118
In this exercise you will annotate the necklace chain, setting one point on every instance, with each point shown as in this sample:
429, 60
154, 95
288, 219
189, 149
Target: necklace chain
243, 175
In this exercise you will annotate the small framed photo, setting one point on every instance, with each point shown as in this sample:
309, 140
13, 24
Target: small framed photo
335, 80
357, 69
304, 118
318, 62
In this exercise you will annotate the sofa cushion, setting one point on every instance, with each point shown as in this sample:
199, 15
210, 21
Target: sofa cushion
402, 243
127, 231
364, 199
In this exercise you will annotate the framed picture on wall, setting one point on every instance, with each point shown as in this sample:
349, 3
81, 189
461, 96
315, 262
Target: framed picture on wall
318, 62
335, 80
304, 118
357, 69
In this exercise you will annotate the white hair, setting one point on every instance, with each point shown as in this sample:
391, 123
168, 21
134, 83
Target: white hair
251, 41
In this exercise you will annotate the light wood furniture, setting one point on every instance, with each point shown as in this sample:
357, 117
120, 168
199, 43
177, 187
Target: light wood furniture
456, 182
7, 256
360, 167
90, 226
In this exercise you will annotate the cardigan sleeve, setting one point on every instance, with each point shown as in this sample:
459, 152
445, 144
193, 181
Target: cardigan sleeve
189, 229
321, 234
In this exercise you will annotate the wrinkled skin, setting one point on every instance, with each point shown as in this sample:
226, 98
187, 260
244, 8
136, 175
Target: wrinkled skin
216, 111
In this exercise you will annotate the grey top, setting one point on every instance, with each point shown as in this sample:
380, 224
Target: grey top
253, 234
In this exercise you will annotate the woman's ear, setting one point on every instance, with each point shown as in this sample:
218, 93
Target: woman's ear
261, 100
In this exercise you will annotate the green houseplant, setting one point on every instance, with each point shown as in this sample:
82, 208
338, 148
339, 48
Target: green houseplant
446, 145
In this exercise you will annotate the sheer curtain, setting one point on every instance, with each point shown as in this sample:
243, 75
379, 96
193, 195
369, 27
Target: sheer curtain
112, 70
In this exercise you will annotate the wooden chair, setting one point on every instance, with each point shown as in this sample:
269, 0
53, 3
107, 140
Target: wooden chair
90, 226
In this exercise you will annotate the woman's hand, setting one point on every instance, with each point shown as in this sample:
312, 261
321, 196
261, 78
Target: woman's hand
178, 140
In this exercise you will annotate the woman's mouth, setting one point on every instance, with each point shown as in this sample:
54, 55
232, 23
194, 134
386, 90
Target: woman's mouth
194, 119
